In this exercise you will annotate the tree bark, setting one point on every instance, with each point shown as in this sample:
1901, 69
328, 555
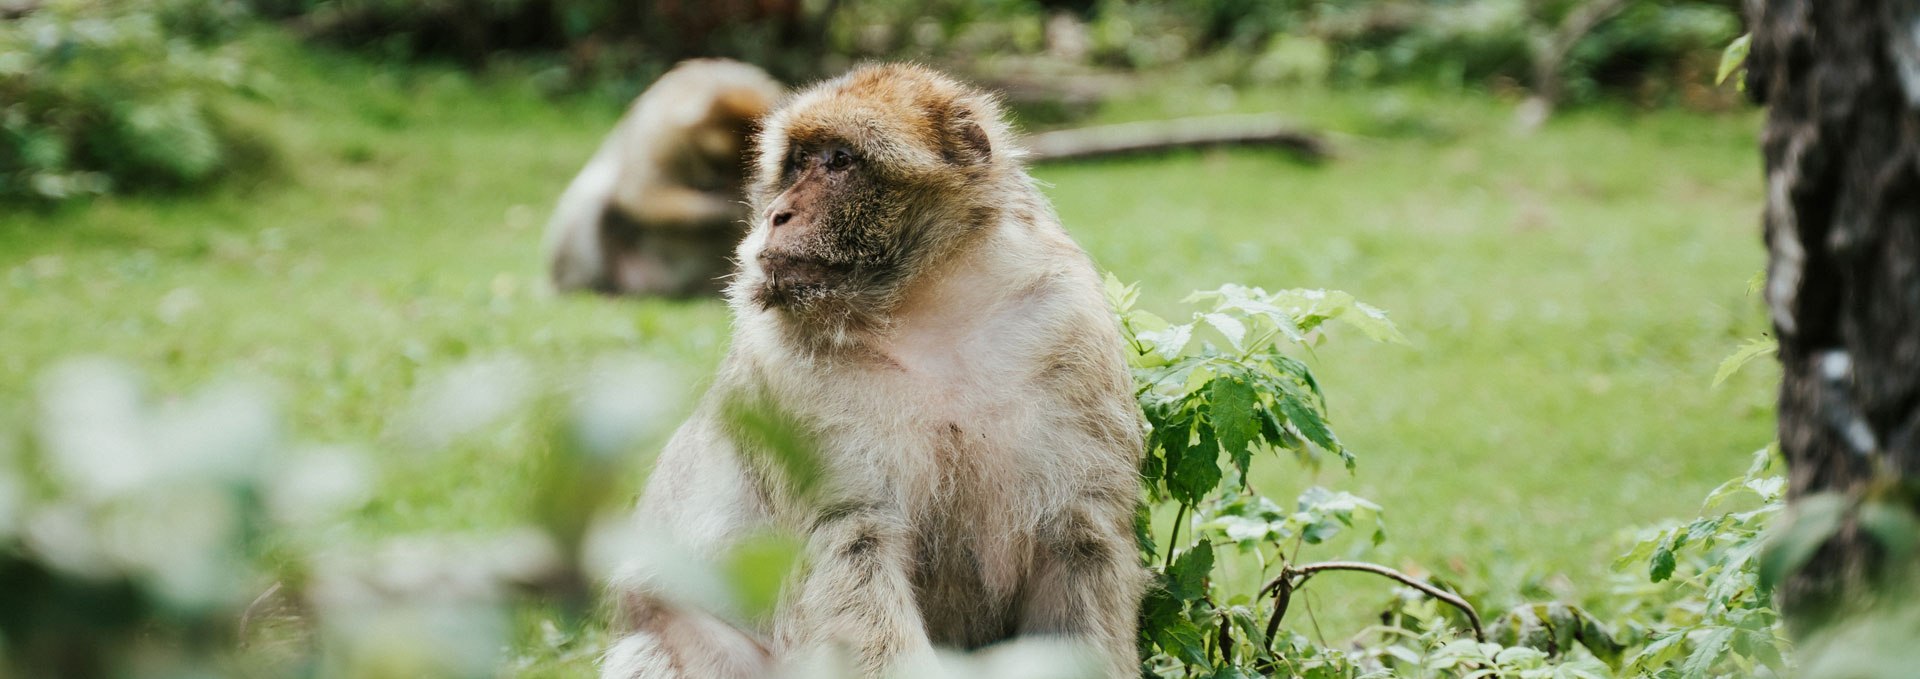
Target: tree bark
1841, 80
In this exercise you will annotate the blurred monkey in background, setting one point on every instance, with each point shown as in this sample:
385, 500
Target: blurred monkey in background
660, 207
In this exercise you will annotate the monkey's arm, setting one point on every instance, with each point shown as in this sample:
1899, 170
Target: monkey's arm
698, 501
1088, 583
858, 592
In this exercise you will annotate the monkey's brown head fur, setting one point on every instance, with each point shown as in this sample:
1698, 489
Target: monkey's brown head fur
865, 181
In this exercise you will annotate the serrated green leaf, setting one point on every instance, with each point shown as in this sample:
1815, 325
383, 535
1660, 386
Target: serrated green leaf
1121, 296
1182, 640
1661, 565
1752, 349
1307, 421
1233, 406
774, 435
1250, 625
1660, 652
1187, 579
1727, 585
1733, 57
1276, 433
1287, 365
1143, 530
1373, 323
1229, 327
1169, 343
1641, 550
1173, 438
1707, 653
1197, 470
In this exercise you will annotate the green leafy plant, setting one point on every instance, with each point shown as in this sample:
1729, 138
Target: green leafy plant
1220, 391
97, 98
1717, 615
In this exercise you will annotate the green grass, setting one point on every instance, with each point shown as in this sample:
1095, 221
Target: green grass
1568, 294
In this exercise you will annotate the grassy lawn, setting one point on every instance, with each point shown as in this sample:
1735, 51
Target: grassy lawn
1568, 294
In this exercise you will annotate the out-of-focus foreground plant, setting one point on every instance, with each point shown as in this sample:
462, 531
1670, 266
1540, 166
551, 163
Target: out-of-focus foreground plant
179, 538
193, 537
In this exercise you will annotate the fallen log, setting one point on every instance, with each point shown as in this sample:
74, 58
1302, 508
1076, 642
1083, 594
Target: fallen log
1184, 133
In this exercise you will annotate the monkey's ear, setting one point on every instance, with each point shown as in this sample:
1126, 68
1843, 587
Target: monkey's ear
966, 141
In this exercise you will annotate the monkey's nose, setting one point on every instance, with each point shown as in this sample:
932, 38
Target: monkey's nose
781, 218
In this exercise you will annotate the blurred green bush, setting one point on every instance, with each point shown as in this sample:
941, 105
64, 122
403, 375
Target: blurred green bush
99, 97
1645, 48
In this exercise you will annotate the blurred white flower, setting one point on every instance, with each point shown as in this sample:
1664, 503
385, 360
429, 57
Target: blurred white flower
432, 567
219, 434
466, 399
630, 556
626, 400
183, 541
320, 483
91, 428
415, 639
103, 442
61, 535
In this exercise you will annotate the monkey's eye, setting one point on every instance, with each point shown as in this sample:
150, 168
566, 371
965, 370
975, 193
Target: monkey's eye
840, 160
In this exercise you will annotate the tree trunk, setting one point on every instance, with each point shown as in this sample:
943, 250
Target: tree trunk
1841, 80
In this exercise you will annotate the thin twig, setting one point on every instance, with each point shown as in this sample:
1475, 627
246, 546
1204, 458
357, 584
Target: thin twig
1284, 584
1314, 619
1179, 517
1291, 579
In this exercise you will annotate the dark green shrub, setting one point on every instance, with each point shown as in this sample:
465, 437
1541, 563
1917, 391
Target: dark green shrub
104, 97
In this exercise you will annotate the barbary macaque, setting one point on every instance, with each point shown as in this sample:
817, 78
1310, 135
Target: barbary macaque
661, 206
909, 298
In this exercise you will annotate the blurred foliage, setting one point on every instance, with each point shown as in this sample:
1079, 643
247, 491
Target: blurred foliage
100, 96
189, 536
176, 538
1652, 49
104, 96
572, 43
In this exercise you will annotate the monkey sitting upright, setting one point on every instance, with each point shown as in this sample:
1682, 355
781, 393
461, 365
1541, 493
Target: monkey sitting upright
909, 298
660, 207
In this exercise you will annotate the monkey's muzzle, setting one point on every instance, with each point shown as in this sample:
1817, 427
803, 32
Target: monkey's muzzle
797, 272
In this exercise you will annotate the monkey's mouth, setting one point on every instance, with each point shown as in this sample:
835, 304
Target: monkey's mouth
789, 273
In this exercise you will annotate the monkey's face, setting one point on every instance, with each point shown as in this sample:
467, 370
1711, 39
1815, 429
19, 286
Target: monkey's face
862, 183
829, 233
